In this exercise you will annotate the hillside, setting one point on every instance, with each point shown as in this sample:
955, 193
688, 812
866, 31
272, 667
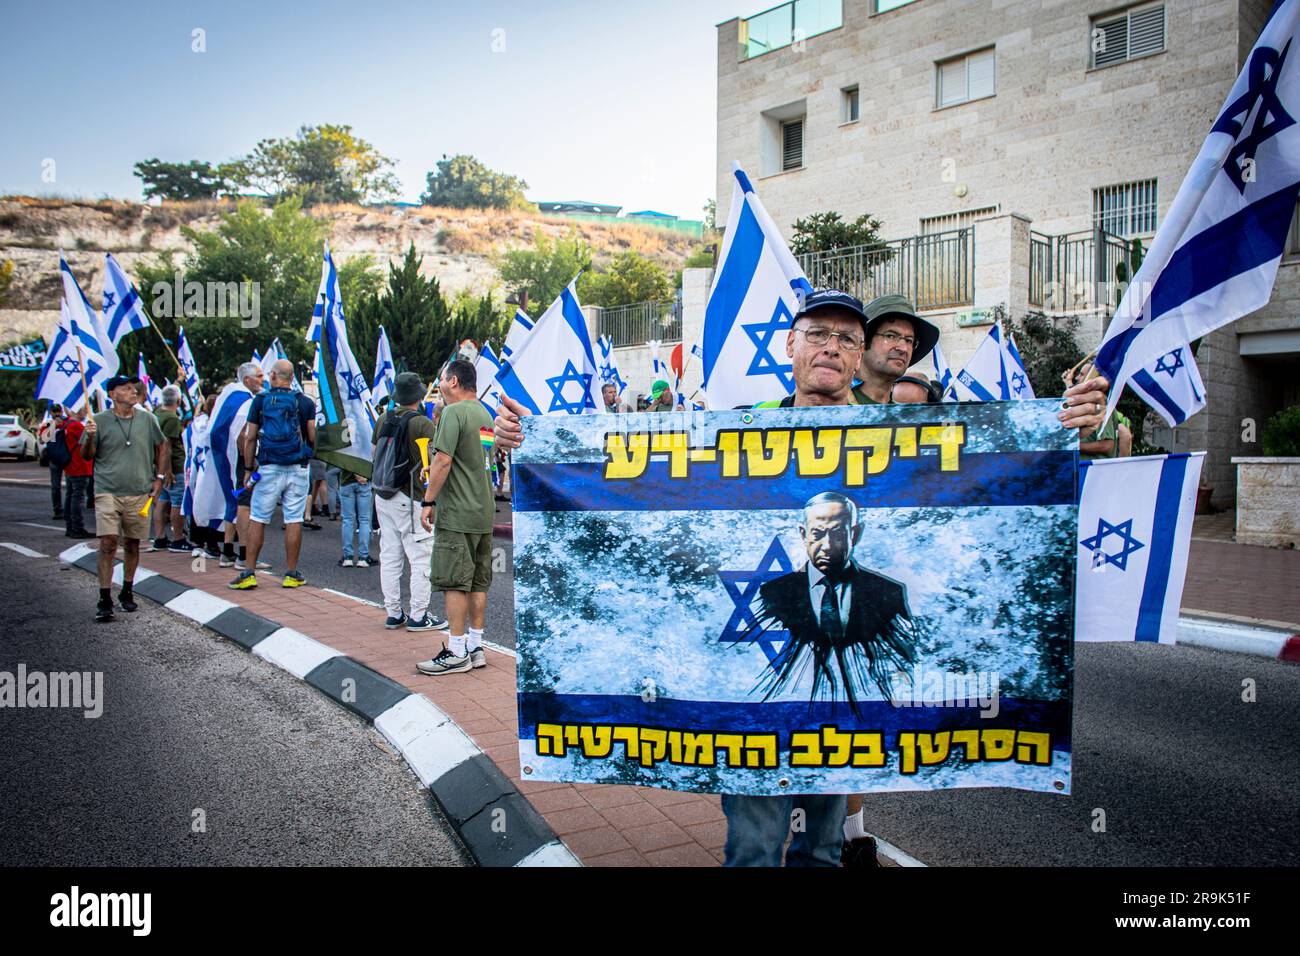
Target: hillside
456, 243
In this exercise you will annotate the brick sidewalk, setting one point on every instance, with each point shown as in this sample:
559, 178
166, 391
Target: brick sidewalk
1244, 581
603, 825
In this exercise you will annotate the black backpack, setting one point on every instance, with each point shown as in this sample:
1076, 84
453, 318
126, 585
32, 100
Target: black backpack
391, 467
57, 449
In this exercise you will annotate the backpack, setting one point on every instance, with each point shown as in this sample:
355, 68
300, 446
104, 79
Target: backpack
391, 466
60, 455
280, 435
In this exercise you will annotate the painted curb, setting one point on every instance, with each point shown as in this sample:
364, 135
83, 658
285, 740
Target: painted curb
494, 820
1238, 638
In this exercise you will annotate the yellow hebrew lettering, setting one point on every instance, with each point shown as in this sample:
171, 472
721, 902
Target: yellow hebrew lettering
868, 749
907, 753
949, 438
550, 740
767, 454
654, 745
837, 746
805, 748
571, 735
626, 456
817, 451
630, 739
675, 445
729, 449
1033, 747
970, 740
875, 444
597, 741
905, 442
697, 749
733, 744
760, 750
934, 747
998, 744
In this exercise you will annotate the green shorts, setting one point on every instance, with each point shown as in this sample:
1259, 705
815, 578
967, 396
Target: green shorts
461, 561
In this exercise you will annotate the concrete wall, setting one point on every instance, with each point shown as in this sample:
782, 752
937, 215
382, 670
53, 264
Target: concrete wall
1268, 501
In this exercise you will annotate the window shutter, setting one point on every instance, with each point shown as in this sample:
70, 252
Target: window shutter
952, 82
791, 145
1115, 33
1146, 31
982, 79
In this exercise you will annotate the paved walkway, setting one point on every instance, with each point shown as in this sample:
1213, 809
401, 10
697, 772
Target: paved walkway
603, 825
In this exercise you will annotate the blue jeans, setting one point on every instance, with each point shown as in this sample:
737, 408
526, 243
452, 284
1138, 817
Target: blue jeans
757, 828
354, 500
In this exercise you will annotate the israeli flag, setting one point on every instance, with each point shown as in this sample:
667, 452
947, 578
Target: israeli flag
186, 358
215, 457
658, 369
153, 391
275, 354
942, 373
89, 321
985, 379
520, 326
195, 433
344, 394
486, 367
554, 371
60, 380
385, 372
1135, 529
1172, 385
609, 373
757, 291
1215, 257
1018, 385
123, 310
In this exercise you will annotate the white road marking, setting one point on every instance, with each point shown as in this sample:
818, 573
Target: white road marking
294, 651
47, 527
554, 853
25, 552
199, 605
891, 852
429, 740
499, 648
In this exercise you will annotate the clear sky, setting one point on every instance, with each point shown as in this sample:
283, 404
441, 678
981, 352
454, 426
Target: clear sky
605, 101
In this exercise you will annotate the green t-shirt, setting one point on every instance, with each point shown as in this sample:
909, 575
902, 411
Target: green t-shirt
465, 502
418, 427
173, 431
122, 468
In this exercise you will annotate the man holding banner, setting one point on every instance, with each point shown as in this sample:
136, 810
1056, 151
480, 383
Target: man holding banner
824, 342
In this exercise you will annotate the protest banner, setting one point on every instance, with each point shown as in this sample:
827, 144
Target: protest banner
25, 357
797, 600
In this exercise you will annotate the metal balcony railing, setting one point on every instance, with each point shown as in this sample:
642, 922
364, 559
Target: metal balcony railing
934, 271
1077, 271
642, 322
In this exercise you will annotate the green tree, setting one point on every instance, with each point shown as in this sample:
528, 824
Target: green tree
279, 251
464, 182
181, 181
631, 277
1046, 346
826, 230
326, 163
711, 216
545, 269
1281, 436
6, 278
423, 329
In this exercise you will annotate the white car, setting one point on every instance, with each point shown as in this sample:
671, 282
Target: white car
16, 440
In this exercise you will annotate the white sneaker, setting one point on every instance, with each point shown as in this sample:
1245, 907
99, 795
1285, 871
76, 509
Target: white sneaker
444, 663
477, 658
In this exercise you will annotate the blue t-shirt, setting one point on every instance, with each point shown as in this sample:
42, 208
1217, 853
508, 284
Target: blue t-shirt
306, 413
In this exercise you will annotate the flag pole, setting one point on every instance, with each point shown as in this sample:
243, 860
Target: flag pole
81, 370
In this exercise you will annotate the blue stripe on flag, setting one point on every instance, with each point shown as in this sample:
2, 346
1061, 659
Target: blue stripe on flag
978, 390
514, 388
1006, 478
729, 293
1169, 495
1143, 380
745, 185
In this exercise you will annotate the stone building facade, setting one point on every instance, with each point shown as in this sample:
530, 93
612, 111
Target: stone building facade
1005, 117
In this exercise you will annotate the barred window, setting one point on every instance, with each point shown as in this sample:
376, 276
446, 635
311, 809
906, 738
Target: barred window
1133, 33
1128, 209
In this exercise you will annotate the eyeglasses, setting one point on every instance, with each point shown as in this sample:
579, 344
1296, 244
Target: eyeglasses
893, 338
819, 336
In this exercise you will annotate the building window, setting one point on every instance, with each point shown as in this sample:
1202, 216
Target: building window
969, 77
956, 220
849, 112
789, 23
791, 144
884, 6
1126, 210
1136, 32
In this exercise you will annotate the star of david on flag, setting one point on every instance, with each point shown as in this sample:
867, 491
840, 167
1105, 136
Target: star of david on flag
1171, 385
757, 290
553, 371
123, 311
1215, 256
742, 587
1127, 543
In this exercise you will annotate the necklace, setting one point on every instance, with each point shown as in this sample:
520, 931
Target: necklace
126, 432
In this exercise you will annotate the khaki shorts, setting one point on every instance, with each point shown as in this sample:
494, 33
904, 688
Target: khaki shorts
120, 515
461, 562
